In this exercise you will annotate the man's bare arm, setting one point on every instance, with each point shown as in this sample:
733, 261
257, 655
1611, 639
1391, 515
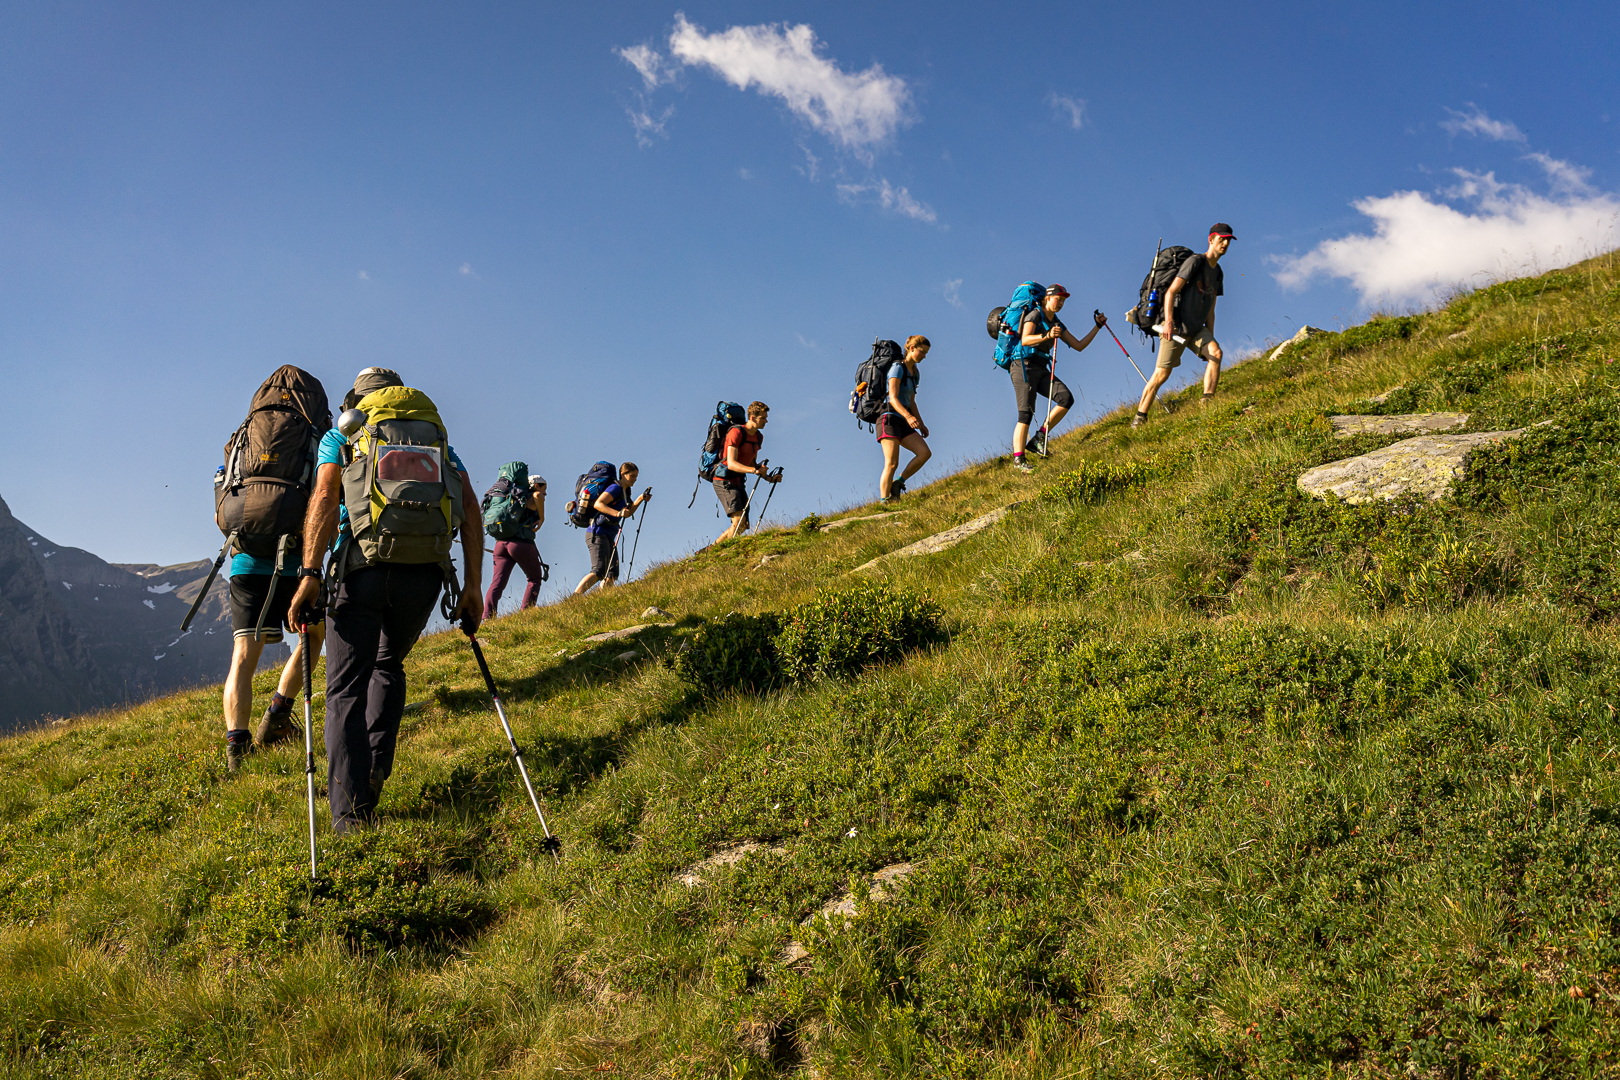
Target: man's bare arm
472, 537
320, 518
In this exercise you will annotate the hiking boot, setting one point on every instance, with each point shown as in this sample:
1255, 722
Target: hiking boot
1036, 443
897, 488
277, 726
1138, 420
1022, 466
237, 749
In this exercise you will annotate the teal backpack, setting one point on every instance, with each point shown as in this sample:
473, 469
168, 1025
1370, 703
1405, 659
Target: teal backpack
505, 516
1005, 324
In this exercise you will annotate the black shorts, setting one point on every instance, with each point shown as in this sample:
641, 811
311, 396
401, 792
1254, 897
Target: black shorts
733, 499
247, 600
604, 555
1031, 376
892, 426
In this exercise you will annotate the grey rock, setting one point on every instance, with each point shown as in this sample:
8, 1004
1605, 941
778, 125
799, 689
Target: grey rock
842, 522
699, 872
947, 539
1427, 465
1399, 424
615, 635
878, 892
1305, 334
1379, 399
631, 655
656, 613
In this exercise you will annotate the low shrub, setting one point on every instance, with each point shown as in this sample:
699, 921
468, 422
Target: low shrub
844, 629
732, 652
809, 524
1094, 480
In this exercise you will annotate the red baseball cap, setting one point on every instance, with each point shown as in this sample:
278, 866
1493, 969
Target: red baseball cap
1055, 289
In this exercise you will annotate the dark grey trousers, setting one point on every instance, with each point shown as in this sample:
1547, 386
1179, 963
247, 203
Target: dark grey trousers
378, 615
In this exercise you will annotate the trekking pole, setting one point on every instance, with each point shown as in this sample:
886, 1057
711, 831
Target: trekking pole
1123, 349
762, 465
768, 495
309, 736
1046, 443
552, 844
636, 544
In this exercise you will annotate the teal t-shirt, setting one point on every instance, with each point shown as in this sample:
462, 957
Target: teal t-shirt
329, 453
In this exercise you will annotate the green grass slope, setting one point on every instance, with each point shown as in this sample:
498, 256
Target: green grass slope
1198, 777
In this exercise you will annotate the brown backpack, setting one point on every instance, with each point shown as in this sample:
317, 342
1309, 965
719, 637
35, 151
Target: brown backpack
261, 493
262, 490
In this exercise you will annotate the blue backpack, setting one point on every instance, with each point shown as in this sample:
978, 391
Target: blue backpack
1005, 324
727, 415
587, 489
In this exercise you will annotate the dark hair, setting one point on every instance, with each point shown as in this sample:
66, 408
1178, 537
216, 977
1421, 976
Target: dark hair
756, 409
629, 466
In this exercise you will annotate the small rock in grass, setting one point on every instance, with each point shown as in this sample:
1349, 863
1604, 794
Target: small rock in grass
656, 613
631, 655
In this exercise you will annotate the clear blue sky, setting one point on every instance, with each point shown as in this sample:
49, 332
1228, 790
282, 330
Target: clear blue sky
576, 256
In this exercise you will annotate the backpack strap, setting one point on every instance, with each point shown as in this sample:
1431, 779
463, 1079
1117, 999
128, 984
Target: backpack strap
201, 596
282, 544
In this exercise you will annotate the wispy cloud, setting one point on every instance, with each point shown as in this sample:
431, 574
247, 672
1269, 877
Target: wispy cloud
889, 197
746, 174
645, 59
807, 342
364, 276
466, 270
647, 126
857, 111
1419, 243
812, 164
1475, 122
952, 292
1067, 108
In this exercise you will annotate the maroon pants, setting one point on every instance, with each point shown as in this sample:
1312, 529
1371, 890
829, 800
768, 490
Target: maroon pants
510, 553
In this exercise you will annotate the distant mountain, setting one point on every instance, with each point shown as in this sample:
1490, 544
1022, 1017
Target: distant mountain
79, 633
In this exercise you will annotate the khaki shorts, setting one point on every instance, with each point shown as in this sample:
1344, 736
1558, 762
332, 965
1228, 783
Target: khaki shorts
1170, 351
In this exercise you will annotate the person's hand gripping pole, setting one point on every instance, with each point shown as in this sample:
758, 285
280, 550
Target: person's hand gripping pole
552, 844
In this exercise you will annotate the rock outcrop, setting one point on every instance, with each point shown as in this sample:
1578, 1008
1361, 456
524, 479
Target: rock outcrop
1398, 424
1305, 334
942, 540
1426, 465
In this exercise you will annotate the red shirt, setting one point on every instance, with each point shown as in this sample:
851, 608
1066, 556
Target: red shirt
747, 444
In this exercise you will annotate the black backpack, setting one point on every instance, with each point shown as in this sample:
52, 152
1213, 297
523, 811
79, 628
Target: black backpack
870, 398
263, 489
1149, 309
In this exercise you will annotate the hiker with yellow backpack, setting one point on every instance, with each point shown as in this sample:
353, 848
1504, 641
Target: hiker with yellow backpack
391, 489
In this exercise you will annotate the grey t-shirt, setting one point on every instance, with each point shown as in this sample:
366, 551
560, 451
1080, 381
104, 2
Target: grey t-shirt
1204, 283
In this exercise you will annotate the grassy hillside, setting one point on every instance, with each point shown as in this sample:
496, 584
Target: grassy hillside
1205, 778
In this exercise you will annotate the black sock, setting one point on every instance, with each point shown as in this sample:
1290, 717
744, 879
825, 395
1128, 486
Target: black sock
1209, 395
238, 736
1142, 414
279, 703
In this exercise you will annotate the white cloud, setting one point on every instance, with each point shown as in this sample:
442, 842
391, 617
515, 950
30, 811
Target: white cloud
808, 343
857, 111
1476, 122
812, 164
1420, 244
745, 174
466, 270
649, 63
647, 126
953, 292
889, 197
364, 276
1071, 110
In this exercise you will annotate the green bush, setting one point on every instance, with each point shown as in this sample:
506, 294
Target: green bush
844, 629
732, 652
809, 524
1094, 480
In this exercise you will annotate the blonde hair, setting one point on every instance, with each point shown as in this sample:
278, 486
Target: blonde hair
917, 339
757, 409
